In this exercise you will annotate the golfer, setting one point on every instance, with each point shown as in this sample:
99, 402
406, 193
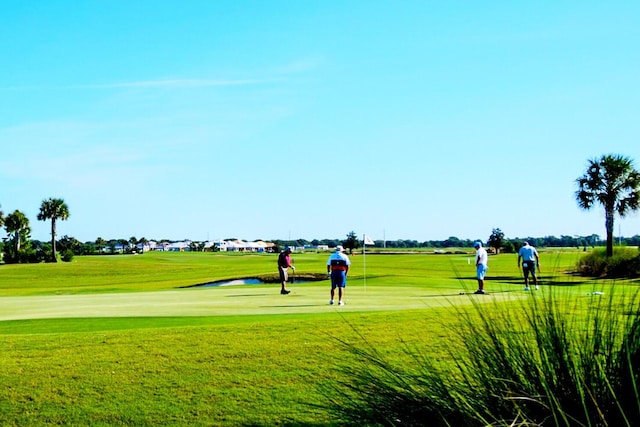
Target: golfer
338, 267
284, 262
529, 257
481, 266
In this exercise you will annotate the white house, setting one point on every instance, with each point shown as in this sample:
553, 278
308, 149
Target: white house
179, 246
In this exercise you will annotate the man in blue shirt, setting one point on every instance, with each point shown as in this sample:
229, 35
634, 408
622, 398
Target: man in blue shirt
529, 257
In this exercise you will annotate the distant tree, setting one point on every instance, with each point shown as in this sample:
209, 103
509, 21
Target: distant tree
124, 244
143, 242
196, 246
53, 209
71, 244
496, 240
1, 224
16, 224
88, 248
100, 244
352, 242
613, 182
452, 242
508, 247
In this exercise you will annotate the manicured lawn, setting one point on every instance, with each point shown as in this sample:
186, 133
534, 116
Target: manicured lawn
117, 340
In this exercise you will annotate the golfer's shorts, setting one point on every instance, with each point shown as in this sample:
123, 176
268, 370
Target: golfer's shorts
481, 270
284, 274
338, 279
529, 267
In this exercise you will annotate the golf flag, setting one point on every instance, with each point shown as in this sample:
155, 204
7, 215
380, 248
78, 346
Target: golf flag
366, 240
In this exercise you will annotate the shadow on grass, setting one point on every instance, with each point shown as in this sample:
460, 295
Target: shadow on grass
519, 280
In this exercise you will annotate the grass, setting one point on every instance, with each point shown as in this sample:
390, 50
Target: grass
551, 359
116, 340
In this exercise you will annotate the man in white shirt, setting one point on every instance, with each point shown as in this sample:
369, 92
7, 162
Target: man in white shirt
481, 266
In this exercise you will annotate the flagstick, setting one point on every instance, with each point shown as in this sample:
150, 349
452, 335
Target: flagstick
364, 262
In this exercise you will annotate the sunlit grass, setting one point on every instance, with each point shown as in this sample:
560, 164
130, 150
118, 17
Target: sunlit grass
255, 358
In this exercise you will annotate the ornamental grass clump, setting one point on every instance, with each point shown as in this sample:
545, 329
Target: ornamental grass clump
625, 262
548, 360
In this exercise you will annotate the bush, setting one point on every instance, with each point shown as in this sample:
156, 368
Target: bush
67, 255
625, 262
538, 366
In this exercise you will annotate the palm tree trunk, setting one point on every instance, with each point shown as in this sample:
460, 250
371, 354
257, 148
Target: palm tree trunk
53, 240
609, 213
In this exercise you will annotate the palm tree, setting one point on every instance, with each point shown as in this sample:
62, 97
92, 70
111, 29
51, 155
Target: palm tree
17, 226
133, 242
143, 243
100, 244
613, 182
53, 209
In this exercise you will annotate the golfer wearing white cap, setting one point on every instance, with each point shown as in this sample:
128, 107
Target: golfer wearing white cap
481, 266
338, 267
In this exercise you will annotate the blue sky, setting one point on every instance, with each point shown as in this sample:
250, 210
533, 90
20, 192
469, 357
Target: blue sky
310, 119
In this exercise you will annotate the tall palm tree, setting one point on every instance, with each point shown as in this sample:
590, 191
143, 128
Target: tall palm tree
613, 182
17, 226
53, 209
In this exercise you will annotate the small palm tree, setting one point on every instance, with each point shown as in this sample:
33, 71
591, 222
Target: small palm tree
100, 244
143, 243
53, 209
17, 226
613, 182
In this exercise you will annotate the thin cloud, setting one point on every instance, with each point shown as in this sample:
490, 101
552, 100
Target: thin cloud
173, 83
160, 84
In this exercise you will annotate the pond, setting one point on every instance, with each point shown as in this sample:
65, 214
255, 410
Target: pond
259, 281
233, 282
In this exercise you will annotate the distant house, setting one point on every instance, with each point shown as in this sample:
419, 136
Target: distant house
146, 247
162, 246
179, 246
242, 246
221, 245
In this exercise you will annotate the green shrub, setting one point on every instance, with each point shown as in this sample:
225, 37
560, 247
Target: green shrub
67, 255
535, 366
625, 262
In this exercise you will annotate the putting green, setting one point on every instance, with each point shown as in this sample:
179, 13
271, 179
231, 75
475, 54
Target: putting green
227, 300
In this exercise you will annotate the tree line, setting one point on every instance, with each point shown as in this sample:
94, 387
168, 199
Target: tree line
610, 181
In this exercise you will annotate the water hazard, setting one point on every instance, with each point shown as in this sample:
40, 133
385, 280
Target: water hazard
260, 281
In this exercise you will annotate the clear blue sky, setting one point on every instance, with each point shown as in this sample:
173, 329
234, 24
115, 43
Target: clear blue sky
310, 119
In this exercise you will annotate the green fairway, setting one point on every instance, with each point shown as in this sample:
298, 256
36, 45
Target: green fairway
126, 340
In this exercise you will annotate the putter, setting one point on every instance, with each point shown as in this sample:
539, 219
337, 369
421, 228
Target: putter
293, 273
